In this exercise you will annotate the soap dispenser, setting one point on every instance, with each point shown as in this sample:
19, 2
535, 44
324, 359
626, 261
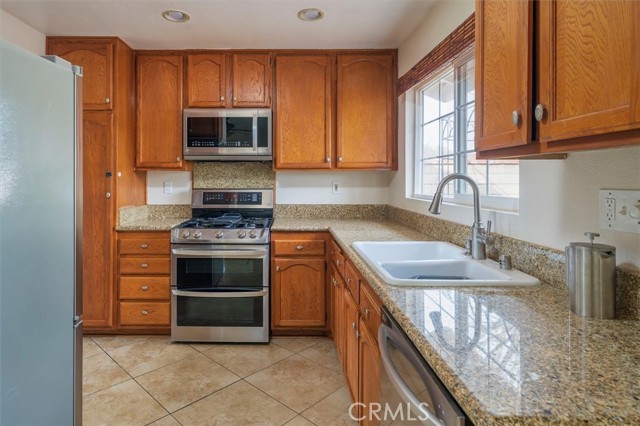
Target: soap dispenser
591, 277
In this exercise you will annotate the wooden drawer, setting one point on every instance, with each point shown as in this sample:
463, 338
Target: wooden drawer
298, 248
145, 265
352, 280
370, 306
144, 313
336, 257
145, 287
144, 246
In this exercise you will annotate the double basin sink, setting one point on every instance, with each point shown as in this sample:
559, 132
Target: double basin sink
435, 263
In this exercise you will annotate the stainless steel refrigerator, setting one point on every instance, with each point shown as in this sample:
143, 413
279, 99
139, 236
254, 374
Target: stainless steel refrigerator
40, 240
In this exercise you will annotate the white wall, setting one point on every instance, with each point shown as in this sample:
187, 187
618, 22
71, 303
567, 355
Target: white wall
558, 198
17, 32
181, 187
356, 187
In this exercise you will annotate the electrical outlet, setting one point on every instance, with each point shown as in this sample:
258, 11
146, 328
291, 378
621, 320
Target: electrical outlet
167, 187
620, 210
335, 187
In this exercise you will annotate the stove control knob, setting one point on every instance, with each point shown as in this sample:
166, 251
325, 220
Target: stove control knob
219, 235
197, 235
242, 234
252, 234
185, 234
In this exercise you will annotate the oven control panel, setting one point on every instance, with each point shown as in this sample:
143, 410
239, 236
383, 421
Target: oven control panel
232, 198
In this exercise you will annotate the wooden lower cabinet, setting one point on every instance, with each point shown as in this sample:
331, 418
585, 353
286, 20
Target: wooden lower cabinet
368, 374
298, 283
144, 282
351, 343
299, 293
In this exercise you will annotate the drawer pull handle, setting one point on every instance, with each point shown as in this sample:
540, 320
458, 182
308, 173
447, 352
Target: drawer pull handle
144, 265
299, 247
144, 312
144, 287
144, 246
366, 312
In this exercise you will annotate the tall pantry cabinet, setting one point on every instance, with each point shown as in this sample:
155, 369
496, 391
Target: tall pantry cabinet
109, 179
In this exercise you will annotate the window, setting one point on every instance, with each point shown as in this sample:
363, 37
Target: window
445, 106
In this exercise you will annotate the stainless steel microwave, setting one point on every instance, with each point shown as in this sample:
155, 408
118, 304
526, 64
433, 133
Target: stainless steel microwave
227, 134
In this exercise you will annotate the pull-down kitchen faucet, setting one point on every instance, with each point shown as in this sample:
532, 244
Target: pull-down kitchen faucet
479, 236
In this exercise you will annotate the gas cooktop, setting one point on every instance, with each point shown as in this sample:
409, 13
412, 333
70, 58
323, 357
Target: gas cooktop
223, 216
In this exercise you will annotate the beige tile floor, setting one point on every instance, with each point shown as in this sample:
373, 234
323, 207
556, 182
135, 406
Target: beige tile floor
147, 380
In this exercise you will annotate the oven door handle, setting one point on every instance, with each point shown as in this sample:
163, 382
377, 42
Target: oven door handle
253, 253
221, 294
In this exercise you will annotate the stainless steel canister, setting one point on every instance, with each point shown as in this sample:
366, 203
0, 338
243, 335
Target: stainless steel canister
591, 277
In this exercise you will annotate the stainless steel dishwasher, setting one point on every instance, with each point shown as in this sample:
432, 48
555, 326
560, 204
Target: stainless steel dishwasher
411, 393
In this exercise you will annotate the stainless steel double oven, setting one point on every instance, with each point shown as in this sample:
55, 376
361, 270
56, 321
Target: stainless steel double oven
220, 268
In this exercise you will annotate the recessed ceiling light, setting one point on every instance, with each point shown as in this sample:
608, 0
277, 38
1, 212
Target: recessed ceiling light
312, 14
175, 16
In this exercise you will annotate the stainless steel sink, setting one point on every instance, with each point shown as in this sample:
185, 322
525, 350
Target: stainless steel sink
435, 263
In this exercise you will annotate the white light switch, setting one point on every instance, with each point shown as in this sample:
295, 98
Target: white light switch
620, 210
167, 187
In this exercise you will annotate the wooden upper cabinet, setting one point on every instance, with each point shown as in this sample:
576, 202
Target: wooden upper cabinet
251, 80
303, 112
96, 59
159, 111
207, 80
365, 111
589, 68
504, 73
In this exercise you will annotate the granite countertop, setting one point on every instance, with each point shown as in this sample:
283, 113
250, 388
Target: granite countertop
150, 224
508, 356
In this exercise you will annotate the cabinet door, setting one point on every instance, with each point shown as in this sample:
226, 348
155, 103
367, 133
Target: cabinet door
365, 108
337, 312
504, 75
369, 374
159, 111
304, 108
589, 68
251, 80
206, 80
299, 293
97, 220
96, 60
351, 343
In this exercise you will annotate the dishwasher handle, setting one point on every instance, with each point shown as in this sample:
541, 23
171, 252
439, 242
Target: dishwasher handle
399, 384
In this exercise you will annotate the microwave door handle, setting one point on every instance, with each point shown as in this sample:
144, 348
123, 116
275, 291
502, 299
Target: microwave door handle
220, 253
397, 382
228, 294
255, 131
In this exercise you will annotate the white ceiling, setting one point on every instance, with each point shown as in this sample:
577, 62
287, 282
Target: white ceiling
228, 24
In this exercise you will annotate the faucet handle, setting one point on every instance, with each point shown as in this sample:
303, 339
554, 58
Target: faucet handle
488, 231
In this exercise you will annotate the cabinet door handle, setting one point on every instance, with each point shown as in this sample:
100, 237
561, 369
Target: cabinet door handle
277, 268
178, 159
338, 262
299, 247
353, 325
144, 287
107, 101
144, 265
235, 99
222, 98
108, 195
539, 112
333, 281
340, 159
328, 159
366, 312
515, 118
144, 246
144, 312
349, 280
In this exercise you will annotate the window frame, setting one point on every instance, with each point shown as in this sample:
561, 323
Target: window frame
508, 204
